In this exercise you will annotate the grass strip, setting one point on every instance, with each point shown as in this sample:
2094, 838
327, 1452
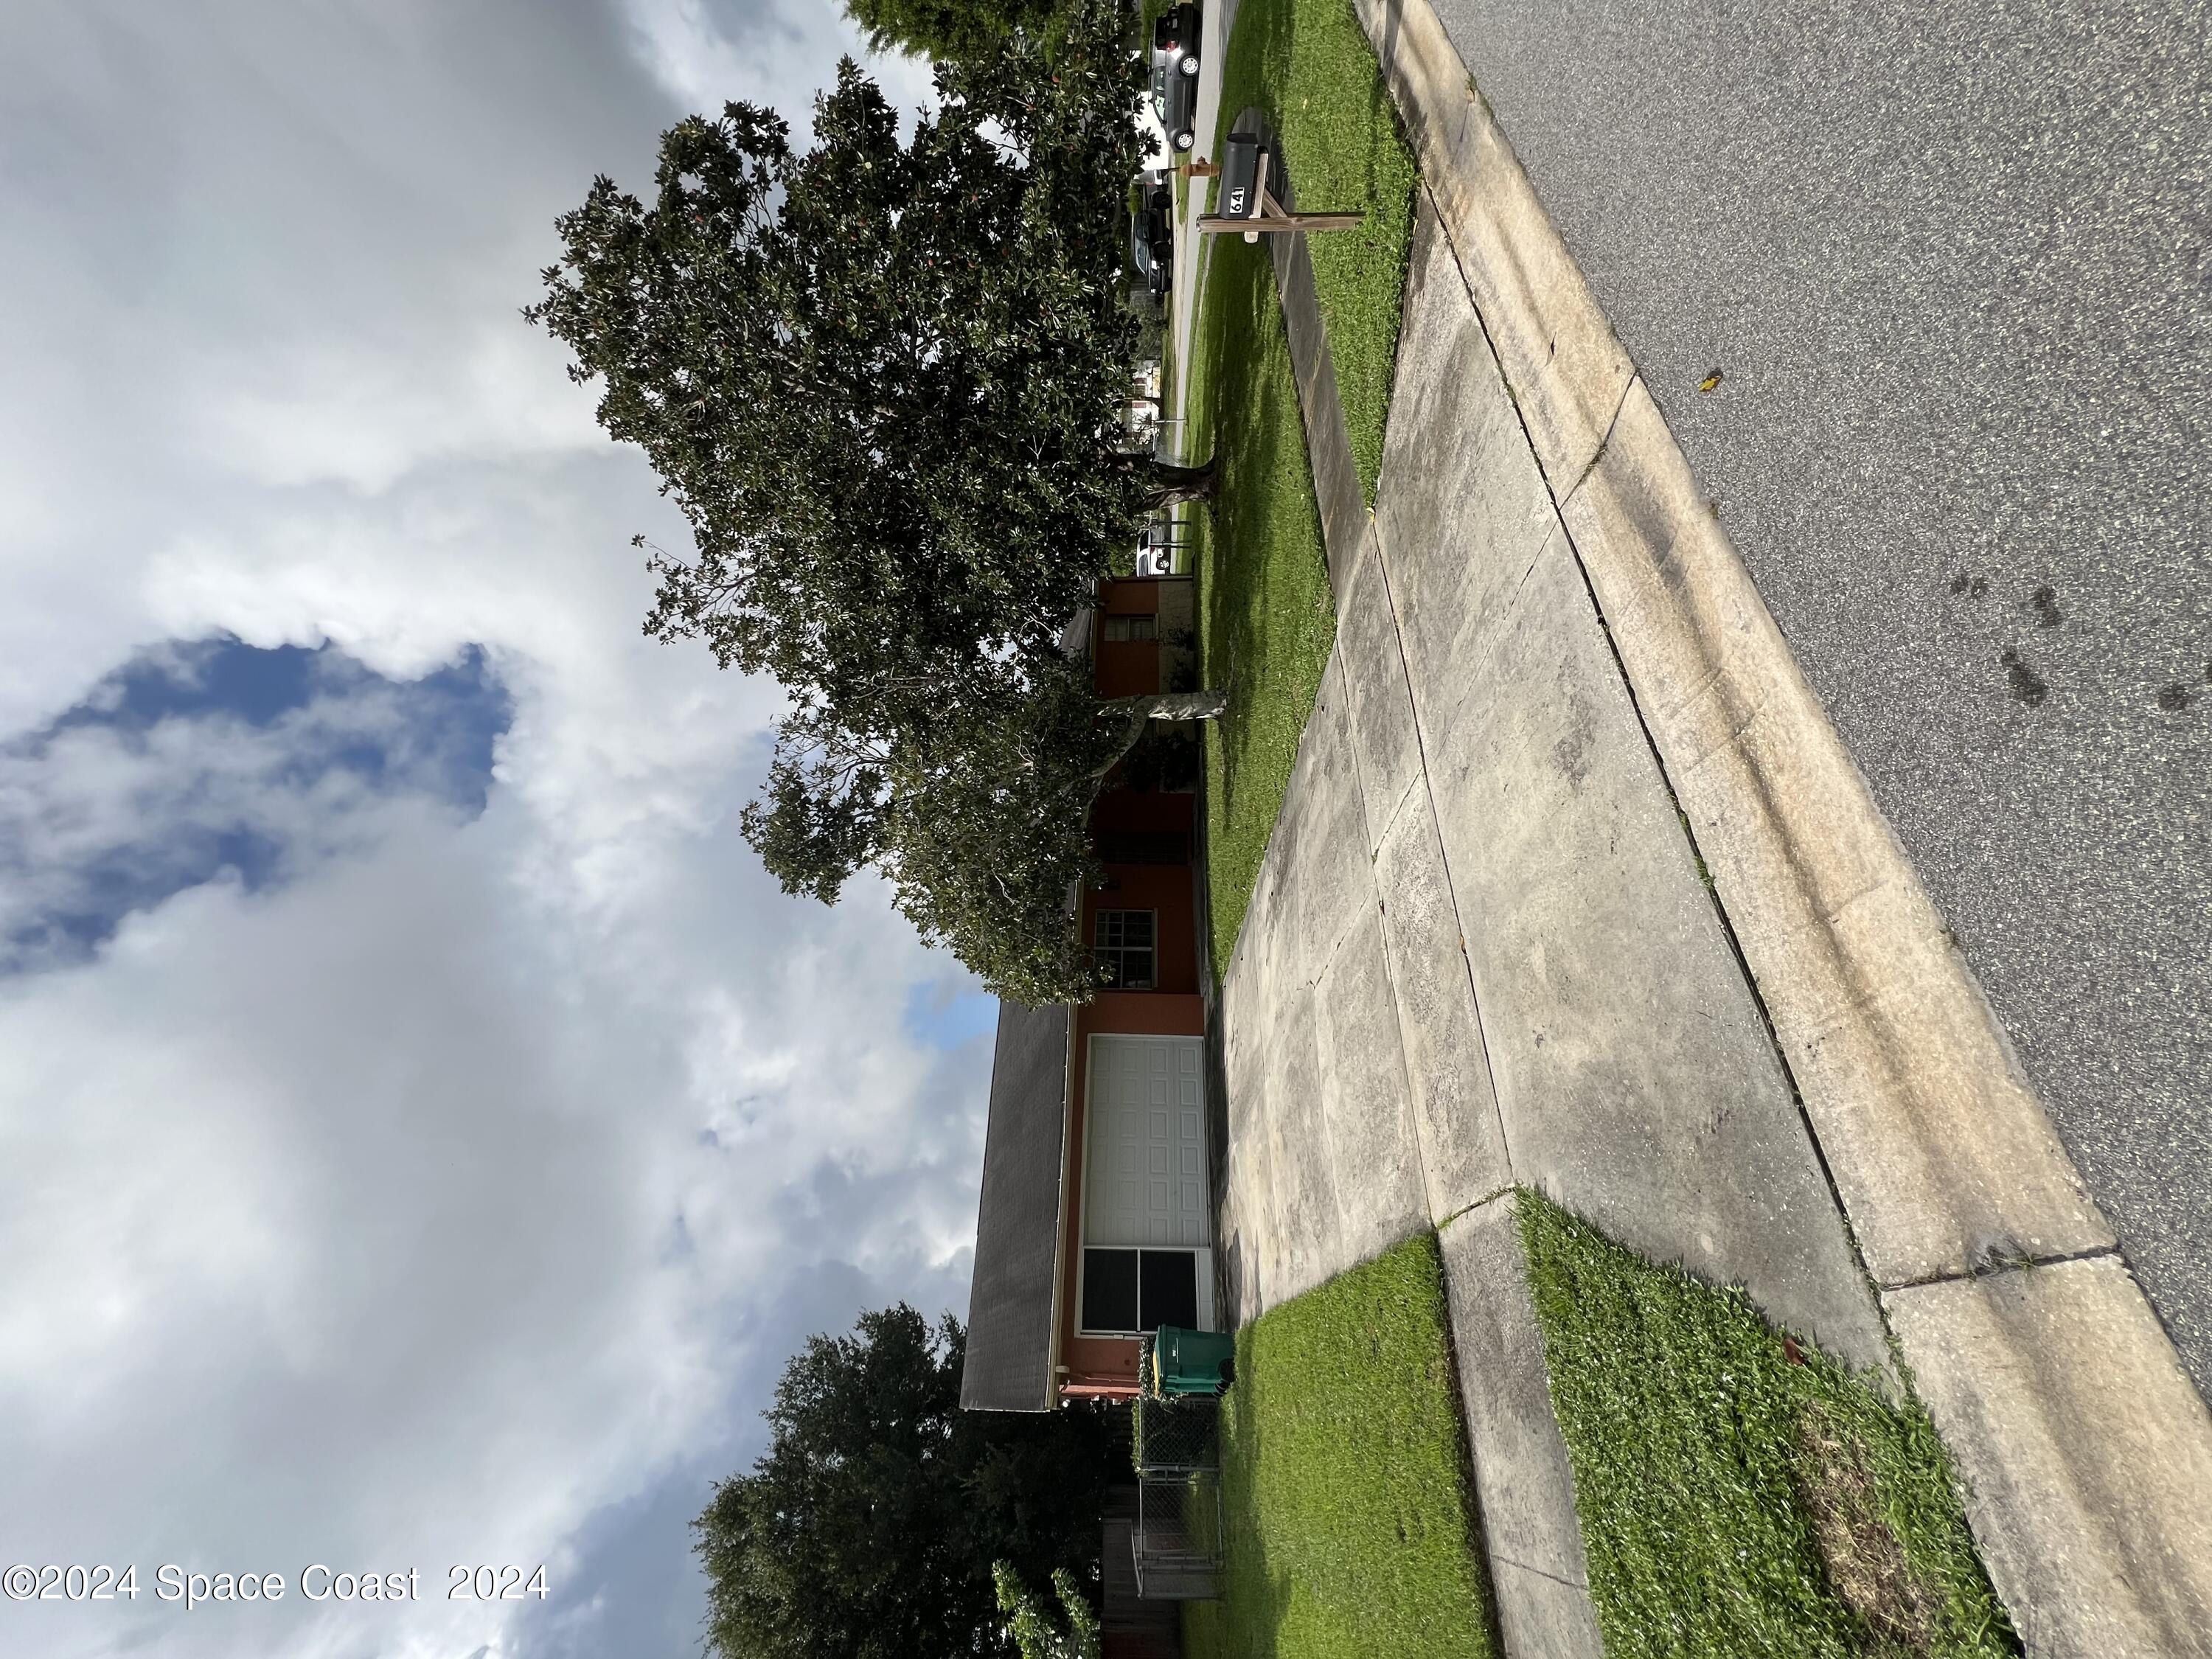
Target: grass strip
1307, 66
1346, 1518
1267, 619
1740, 1491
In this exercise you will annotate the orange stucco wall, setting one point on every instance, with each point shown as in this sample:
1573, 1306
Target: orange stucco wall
1144, 809
1095, 1365
1129, 596
1126, 668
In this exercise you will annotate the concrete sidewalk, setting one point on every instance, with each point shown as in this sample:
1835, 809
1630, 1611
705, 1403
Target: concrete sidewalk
1481, 955
1572, 888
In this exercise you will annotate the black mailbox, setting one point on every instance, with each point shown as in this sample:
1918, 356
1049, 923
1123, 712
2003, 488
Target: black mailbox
1243, 177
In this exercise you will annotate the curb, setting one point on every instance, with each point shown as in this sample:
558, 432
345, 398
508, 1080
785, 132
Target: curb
2087, 1453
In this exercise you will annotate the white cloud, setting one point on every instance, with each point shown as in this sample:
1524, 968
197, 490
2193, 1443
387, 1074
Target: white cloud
706, 53
350, 413
340, 1220
369, 1218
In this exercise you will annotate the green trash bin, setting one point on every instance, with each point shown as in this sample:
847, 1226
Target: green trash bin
1192, 1362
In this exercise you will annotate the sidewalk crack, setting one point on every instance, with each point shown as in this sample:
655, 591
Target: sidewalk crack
1999, 1266
1506, 1561
1436, 824
1464, 1210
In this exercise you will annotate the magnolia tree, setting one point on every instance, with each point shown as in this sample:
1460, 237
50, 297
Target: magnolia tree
883, 1521
884, 380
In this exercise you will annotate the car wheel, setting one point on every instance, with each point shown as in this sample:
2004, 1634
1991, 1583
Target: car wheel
1182, 140
1190, 66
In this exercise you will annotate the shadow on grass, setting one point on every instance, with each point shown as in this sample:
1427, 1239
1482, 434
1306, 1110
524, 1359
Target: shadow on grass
1267, 620
1267, 616
1349, 1527
1306, 65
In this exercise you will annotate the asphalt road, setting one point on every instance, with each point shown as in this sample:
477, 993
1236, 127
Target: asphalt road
1951, 260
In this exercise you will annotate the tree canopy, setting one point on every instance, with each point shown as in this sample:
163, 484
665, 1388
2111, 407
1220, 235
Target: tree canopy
871, 1525
883, 380
946, 30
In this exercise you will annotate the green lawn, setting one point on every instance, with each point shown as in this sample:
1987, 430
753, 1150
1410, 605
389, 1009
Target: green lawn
1738, 1495
1347, 1520
1267, 620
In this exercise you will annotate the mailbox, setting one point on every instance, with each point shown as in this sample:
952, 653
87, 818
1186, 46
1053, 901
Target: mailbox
1244, 177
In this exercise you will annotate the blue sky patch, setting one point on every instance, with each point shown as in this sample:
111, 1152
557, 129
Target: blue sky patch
946, 1013
214, 759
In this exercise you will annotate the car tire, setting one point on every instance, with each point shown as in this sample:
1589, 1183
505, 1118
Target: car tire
1189, 65
1182, 140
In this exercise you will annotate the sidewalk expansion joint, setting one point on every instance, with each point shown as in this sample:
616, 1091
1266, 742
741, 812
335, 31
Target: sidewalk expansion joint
1465, 1210
1598, 455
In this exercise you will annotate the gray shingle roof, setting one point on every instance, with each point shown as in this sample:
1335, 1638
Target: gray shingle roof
1009, 1360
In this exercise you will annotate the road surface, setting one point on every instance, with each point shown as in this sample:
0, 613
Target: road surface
1950, 262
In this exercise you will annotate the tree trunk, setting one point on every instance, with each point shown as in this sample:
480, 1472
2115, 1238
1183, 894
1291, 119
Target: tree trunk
1172, 483
1175, 705
1137, 713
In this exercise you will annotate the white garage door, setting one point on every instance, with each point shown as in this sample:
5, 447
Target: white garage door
1146, 1175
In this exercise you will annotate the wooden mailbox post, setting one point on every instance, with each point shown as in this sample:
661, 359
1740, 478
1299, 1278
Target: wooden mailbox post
1247, 205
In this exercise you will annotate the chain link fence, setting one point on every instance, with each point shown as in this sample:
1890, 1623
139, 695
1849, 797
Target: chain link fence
1178, 1537
1173, 1437
1175, 1443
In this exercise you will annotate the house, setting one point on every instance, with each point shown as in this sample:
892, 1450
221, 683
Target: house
1096, 1221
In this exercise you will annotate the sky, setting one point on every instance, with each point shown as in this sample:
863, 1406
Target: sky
424, 1129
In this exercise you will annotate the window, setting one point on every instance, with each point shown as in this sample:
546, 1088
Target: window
1166, 1289
1110, 1290
1122, 949
1143, 847
1133, 1291
1126, 630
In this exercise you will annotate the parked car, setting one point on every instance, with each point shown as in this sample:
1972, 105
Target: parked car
1156, 549
1151, 231
1175, 74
